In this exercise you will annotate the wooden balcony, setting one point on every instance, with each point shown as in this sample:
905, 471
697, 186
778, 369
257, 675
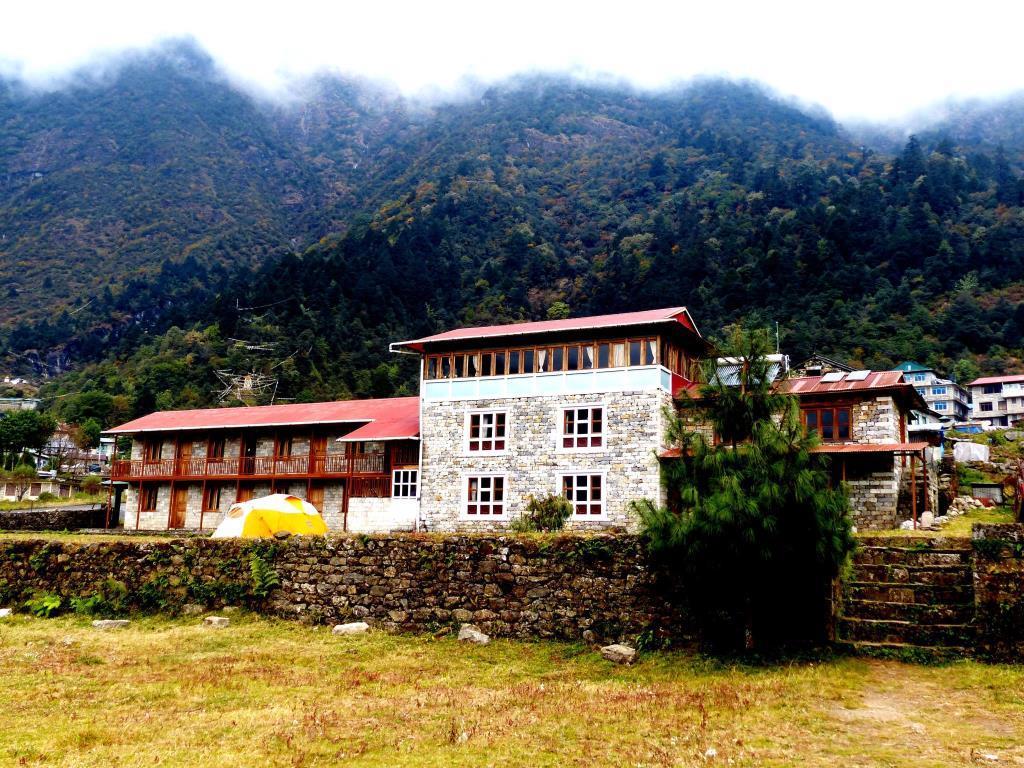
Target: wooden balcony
325, 465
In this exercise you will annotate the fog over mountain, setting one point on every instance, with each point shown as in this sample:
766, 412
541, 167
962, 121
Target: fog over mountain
143, 202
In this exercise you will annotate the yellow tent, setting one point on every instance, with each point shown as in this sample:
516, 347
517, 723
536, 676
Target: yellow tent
263, 517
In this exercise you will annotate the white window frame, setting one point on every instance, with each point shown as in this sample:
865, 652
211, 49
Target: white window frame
397, 483
560, 427
560, 491
464, 503
482, 412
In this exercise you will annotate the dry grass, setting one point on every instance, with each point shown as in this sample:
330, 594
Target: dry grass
958, 527
268, 693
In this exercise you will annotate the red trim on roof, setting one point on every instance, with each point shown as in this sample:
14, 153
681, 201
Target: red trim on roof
813, 385
869, 448
996, 380
400, 412
677, 314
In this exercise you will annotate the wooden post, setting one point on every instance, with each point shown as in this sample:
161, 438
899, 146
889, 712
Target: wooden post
138, 507
913, 489
924, 478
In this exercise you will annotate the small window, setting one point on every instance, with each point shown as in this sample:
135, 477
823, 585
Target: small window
650, 352
635, 353
487, 431
472, 366
993, 389
583, 428
618, 355
487, 364
499, 363
603, 355
283, 447
830, 424
543, 360
245, 493
586, 493
460, 366
35, 489
485, 496
514, 359
573, 357
557, 358
587, 354
986, 406
405, 483
528, 357
215, 448
211, 498
152, 450
148, 499
432, 368
446, 367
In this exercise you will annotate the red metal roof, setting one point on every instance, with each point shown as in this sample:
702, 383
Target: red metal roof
813, 385
395, 417
995, 380
869, 447
671, 314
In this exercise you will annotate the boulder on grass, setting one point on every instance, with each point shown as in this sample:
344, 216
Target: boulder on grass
216, 621
470, 633
352, 628
620, 654
106, 624
5, 612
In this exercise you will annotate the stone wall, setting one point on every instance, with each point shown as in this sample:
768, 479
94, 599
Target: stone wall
999, 589
534, 458
51, 519
572, 587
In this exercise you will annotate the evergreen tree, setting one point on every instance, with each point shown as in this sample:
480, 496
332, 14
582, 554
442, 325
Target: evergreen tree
752, 534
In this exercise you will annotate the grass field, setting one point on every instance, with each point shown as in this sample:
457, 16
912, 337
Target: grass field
261, 692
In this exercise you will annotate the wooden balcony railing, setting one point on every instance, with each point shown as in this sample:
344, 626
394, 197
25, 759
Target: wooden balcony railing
318, 465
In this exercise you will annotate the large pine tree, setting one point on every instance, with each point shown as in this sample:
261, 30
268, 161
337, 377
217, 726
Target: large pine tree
753, 532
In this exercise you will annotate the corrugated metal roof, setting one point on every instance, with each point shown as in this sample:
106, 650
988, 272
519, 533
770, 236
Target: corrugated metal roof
908, 366
595, 322
813, 385
869, 447
402, 413
995, 380
402, 426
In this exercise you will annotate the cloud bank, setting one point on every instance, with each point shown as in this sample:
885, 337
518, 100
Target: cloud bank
872, 60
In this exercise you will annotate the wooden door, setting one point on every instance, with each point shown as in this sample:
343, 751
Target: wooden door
248, 455
179, 503
317, 457
182, 458
316, 497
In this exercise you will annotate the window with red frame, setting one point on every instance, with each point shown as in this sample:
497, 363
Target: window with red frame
831, 424
485, 496
487, 431
585, 492
149, 495
583, 427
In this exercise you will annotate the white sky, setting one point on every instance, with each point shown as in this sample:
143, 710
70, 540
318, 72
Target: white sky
864, 59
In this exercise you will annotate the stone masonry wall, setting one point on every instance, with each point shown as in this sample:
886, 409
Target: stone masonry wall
572, 587
534, 458
999, 589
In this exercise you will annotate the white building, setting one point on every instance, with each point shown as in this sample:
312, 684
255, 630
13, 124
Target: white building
997, 401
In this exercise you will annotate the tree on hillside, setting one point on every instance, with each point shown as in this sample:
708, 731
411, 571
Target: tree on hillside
752, 532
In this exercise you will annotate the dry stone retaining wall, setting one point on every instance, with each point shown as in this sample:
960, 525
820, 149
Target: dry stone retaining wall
572, 587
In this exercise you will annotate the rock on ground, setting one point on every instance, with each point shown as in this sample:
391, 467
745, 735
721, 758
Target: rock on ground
5, 612
470, 633
620, 654
352, 628
110, 623
216, 621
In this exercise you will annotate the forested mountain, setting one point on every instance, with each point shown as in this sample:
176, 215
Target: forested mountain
158, 223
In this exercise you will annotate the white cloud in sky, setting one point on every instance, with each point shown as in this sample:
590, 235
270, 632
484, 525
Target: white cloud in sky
869, 59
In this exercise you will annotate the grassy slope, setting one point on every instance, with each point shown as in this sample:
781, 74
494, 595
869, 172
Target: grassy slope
279, 694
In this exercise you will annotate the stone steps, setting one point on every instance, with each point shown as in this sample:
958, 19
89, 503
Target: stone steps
858, 630
909, 595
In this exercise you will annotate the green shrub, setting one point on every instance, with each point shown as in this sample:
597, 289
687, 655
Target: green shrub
264, 578
47, 496
548, 513
44, 605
